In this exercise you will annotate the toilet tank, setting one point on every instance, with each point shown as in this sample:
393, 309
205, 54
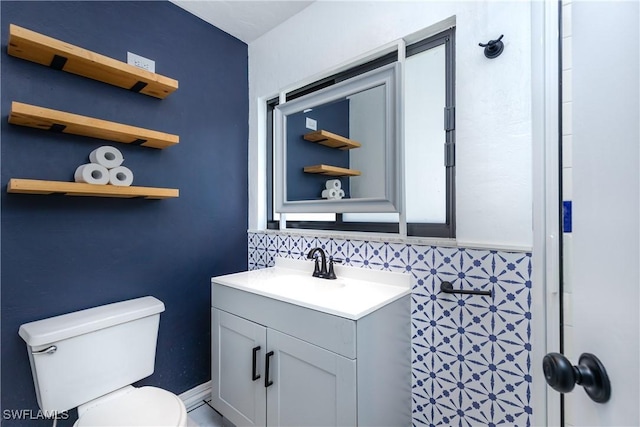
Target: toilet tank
86, 354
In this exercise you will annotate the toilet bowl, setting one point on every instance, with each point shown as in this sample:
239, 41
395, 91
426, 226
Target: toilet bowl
88, 359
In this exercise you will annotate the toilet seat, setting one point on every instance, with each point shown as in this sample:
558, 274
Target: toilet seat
144, 406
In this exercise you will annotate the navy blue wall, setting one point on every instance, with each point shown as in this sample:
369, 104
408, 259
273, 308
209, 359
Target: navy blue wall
61, 254
332, 117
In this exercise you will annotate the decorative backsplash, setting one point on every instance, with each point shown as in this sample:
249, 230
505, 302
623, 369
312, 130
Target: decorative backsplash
471, 362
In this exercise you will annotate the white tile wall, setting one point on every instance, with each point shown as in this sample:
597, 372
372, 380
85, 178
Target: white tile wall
567, 141
567, 85
567, 184
567, 53
567, 254
567, 151
567, 117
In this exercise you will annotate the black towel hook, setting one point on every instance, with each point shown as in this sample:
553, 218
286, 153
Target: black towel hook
447, 288
493, 48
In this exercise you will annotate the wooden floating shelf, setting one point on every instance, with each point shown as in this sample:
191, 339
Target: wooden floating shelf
54, 120
331, 170
36, 186
36, 47
331, 140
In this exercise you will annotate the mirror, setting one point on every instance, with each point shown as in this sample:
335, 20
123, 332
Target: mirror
337, 148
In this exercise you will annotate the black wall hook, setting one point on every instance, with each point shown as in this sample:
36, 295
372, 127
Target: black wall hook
493, 48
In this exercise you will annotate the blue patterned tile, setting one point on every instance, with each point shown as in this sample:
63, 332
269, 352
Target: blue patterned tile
471, 355
338, 249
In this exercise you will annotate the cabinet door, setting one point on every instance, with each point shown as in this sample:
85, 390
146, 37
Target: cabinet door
311, 386
237, 377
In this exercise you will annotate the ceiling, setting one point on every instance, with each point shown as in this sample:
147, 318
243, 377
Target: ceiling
245, 20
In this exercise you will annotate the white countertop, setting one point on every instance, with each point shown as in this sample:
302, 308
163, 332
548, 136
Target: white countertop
354, 294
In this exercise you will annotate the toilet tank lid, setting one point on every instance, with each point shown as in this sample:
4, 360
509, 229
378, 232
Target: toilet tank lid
53, 329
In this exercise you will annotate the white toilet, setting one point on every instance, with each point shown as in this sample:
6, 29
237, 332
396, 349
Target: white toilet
89, 359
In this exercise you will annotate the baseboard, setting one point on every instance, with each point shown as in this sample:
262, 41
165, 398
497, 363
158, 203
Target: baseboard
196, 395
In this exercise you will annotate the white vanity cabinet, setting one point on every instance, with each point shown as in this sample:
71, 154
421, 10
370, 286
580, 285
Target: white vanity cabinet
236, 392
304, 385
279, 363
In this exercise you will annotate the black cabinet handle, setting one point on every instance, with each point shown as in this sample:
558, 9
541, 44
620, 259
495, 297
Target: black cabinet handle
267, 382
254, 375
447, 288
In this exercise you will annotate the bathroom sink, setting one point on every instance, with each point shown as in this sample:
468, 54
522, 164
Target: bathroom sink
303, 282
355, 293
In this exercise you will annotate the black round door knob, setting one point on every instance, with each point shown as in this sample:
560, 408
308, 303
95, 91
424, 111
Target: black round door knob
589, 373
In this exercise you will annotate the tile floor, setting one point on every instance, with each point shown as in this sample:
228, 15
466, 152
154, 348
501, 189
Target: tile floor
203, 415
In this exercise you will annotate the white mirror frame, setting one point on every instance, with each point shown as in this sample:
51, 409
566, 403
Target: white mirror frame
387, 76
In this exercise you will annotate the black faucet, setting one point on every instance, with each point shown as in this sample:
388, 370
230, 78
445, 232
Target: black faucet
320, 269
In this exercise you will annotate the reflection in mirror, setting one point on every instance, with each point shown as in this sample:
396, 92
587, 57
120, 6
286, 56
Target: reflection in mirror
341, 125
336, 148
366, 123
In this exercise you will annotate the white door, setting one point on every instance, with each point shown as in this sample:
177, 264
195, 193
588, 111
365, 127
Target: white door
310, 386
237, 376
601, 252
